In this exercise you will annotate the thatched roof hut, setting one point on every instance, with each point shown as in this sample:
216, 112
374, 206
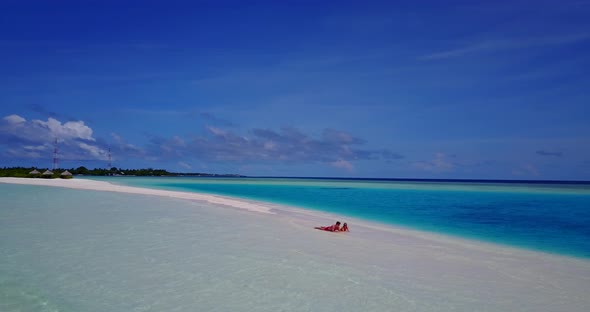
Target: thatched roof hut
66, 175
47, 174
34, 172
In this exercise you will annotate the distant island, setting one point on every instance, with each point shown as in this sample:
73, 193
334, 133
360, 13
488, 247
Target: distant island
33, 172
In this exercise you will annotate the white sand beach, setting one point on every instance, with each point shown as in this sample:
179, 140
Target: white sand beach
84, 184
253, 256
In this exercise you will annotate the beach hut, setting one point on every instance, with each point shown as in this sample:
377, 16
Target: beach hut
66, 175
34, 173
47, 174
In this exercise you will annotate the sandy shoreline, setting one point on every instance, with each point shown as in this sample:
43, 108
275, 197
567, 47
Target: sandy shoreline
84, 184
303, 218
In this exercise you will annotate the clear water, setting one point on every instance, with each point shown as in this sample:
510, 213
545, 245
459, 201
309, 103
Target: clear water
549, 217
73, 250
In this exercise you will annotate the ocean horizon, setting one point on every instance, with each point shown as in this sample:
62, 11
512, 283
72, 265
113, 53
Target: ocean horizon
548, 216
403, 179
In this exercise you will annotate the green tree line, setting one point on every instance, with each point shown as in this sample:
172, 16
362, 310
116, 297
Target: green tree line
24, 171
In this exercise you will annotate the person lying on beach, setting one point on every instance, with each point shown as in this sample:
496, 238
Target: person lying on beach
331, 228
344, 228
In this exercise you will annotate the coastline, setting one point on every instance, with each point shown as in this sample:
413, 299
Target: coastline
303, 218
417, 269
84, 184
314, 208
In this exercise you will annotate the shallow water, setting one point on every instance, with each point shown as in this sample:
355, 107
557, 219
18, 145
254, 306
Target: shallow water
75, 250
551, 217
72, 250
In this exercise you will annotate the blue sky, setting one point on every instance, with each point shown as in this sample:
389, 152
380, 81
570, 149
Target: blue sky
396, 89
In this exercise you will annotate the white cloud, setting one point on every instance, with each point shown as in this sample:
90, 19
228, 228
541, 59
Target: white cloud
69, 130
14, 119
40, 131
34, 138
94, 151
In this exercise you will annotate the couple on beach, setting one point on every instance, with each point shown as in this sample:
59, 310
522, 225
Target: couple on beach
334, 227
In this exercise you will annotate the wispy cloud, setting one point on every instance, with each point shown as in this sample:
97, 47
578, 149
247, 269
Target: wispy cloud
486, 46
24, 138
288, 145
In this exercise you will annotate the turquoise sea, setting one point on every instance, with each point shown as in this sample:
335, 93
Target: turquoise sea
547, 216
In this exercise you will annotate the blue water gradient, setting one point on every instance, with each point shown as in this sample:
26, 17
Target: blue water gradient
551, 217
